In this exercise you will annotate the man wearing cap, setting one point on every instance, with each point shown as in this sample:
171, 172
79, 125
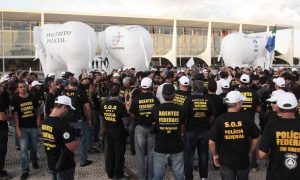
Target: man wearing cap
182, 93
27, 119
279, 84
141, 109
250, 105
280, 141
60, 140
169, 130
115, 118
200, 112
232, 132
80, 119
224, 76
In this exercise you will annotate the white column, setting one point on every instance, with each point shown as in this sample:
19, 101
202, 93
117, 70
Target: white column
241, 28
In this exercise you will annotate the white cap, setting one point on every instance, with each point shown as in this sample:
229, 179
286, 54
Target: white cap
276, 69
116, 75
234, 97
294, 69
185, 81
146, 83
62, 74
225, 85
125, 68
245, 78
287, 101
281, 68
153, 69
35, 83
102, 72
51, 74
279, 82
4, 78
275, 95
205, 71
65, 100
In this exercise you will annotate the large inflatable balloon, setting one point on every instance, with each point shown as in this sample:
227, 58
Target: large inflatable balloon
70, 46
239, 49
127, 46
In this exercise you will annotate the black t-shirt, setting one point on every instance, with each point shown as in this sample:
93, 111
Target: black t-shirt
231, 131
180, 97
56, 133
26, 108
218, 103
79, 98
168, 117
282, 139
3, 124
251, 102
198, 109
49, 103
113, 111
142, 107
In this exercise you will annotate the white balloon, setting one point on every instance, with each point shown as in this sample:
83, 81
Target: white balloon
129, 46
69, 46
238, 49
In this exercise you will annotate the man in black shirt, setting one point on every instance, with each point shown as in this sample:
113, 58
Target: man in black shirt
182, 93
200, 112
280, 141
81, 118
50, 97
169, 129
60, 140
3, 138
114, 115
27, 119
141, 109
250, 105
232, 132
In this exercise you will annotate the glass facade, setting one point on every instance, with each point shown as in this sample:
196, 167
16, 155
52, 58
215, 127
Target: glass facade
17, 41
191, 41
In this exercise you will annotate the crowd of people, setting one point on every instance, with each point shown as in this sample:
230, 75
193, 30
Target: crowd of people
172, 117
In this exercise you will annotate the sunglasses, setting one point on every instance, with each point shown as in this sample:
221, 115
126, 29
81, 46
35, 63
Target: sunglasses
274, 102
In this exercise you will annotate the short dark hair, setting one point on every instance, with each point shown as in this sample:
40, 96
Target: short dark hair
169, 74
21, 82
212, 85
114, 90
223, 75
198, 86
73, 82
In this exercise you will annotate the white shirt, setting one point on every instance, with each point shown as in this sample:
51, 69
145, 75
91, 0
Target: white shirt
159, 92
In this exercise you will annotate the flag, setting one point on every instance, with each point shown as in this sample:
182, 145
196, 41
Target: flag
270, 46
190, 63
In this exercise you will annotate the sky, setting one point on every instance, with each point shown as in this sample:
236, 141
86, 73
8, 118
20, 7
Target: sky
281, 12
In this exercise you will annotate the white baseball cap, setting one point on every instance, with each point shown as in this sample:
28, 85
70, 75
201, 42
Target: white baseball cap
234, 97
116, 75
275, 95
51, 74
287, 101
279, 81
3, 79
276, 69
184, 80
146, 83
65, 100
245, 78
205, 71
294, 69
35, 83
62, 74
225, 85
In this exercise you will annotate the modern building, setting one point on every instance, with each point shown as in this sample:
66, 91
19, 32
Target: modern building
174, 40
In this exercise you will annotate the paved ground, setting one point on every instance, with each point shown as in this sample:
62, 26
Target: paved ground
96, 171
